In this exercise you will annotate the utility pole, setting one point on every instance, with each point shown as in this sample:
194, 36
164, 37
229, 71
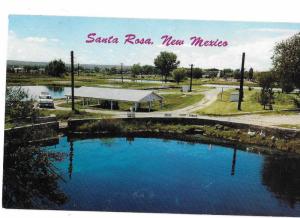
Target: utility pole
121, 72
241, 91
72, 79
191, 79
78, 70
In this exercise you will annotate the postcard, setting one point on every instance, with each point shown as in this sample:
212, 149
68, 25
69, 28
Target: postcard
152, 116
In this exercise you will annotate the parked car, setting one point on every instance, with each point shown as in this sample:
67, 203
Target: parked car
45, 100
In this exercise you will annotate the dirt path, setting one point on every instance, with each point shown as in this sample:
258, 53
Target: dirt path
209, 97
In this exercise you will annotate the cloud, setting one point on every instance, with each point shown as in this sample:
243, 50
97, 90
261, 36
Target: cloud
54, 40
257, 45
36, 39
34, 49
272, 30
258, 48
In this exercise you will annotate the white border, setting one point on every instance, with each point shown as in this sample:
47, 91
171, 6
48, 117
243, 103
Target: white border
239, 10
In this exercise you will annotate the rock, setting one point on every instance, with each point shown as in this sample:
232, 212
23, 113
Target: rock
226, 128
219, 126
198, 131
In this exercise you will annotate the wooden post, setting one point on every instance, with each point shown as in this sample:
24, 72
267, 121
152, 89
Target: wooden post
122, 72
241, 91
191, 79
72, 79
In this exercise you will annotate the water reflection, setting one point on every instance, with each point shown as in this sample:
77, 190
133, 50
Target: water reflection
57, 89
181, 178
130, 139
233, 161
30, 179
281, 174
71, 154
109, 142
54, 91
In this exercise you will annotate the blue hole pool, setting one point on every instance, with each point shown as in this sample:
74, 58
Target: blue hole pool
157, 175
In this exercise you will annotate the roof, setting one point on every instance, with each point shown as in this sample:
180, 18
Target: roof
131, 95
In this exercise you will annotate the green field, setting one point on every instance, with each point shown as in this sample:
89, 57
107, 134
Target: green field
249, 105
97, 79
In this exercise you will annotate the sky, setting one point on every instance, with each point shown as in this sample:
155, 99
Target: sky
44, 38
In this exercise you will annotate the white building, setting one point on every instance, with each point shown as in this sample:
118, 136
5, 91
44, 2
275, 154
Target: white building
136, 97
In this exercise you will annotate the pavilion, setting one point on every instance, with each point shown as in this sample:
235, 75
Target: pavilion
113, 95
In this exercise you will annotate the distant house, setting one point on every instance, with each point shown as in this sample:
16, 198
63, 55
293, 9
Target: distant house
18, 69
41, 70
37, 71
211, 73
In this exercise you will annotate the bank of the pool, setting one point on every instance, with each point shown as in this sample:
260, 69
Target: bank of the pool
191, 129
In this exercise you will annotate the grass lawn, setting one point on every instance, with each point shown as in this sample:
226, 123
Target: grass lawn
65, 115
249, 105
172, 101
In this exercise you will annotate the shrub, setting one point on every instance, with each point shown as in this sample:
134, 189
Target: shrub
179, 74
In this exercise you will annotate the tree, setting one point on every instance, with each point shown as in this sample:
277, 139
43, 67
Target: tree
17, 104
266, 81
197, 73
166, 62
179, 74
286, 63
148, 69
135, 70
227, 72
237, 74
113, 70
96, 69
56, 68
27, 68
250, 74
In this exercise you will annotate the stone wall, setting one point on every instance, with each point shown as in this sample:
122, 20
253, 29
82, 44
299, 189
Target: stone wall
29, 133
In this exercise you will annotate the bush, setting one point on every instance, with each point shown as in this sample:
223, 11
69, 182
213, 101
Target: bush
179, 74
56, 68
101, 126
197, 73
17, 104
296, 102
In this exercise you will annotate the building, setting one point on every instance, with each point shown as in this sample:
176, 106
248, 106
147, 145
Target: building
112, 95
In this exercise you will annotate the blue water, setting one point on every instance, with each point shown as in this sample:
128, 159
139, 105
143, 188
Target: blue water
55, 91
157, 175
